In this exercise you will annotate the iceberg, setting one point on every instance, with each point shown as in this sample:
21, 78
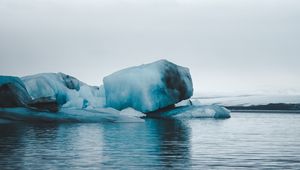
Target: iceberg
13, 92
57, 97
66, 90
160, 90
148, 87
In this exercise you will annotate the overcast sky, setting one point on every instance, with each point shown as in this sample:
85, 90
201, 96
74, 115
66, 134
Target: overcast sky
230, 46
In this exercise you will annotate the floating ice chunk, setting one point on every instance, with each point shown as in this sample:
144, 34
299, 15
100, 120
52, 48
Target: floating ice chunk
221, 112
148, 87
13, 92
66, 90
207, 111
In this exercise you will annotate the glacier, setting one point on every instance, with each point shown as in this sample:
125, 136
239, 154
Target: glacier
148, 87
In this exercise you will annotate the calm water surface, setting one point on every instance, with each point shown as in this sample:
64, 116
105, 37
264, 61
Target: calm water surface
247, 140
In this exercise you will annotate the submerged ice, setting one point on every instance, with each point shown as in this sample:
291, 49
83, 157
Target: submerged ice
69, 115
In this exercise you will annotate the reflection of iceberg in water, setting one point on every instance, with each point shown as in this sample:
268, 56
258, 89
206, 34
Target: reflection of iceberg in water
50, 146
11, 146
174, 143
156, 144
153, 143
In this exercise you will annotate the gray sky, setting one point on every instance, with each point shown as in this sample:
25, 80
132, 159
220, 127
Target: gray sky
230, 46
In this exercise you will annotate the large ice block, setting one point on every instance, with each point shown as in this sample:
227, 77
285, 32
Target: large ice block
148, 87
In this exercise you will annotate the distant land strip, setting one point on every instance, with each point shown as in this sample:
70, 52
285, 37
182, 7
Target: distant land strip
269, 108
265, 111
